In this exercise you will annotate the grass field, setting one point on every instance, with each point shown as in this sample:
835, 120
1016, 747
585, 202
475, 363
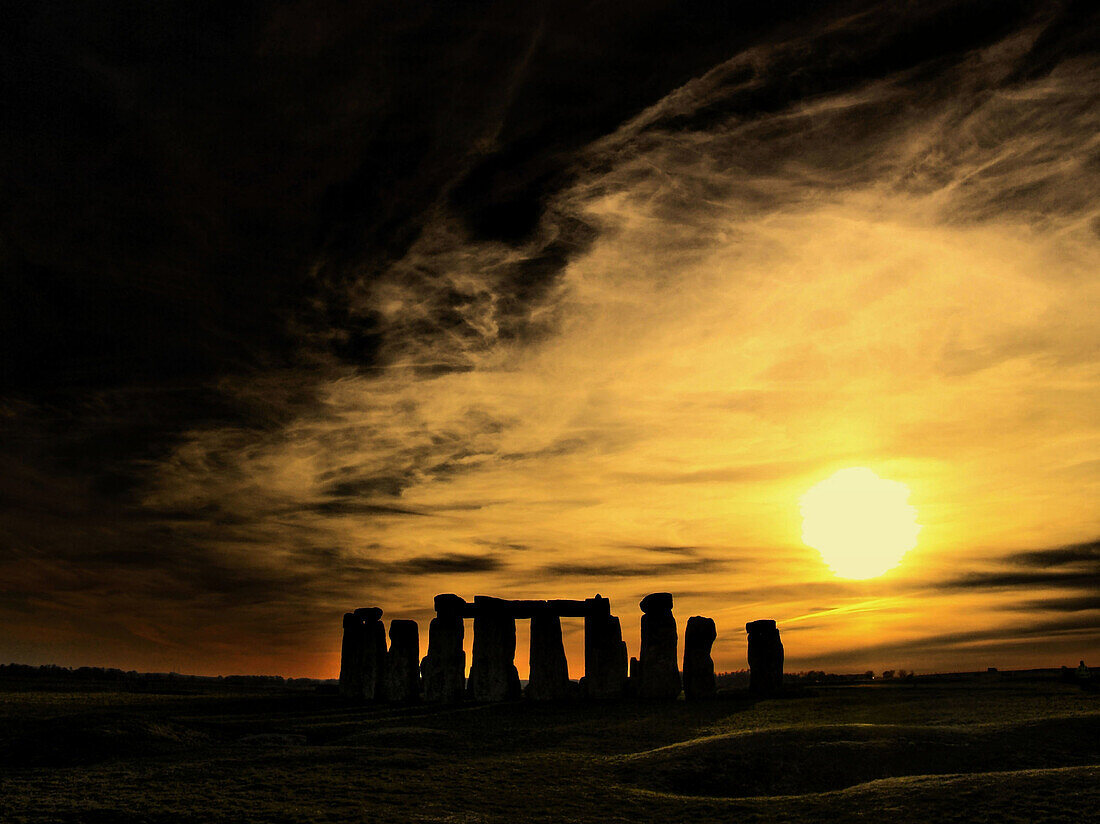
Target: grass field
1026, 752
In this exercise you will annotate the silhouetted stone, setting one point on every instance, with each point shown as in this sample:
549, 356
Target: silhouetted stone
614, 667
493, 674
699, 637
634, 681
449, 604
605, 656
549, 670
363, 655
659, 670
765, 657
656, 602
351, 654
403, 662
444, 667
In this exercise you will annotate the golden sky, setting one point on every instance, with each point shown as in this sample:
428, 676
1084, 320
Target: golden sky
898, 273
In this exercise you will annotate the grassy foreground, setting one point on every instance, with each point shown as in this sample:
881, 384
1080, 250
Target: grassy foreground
966, 752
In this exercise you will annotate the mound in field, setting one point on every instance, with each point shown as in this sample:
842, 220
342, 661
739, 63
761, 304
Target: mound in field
799, 760
93, 738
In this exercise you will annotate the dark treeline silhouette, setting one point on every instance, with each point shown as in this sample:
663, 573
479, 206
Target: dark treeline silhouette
740, 679
48, 673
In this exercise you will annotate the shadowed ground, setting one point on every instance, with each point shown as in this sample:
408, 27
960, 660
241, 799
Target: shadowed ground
1024, 752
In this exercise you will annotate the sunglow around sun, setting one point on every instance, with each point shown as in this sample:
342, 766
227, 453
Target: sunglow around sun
860, 523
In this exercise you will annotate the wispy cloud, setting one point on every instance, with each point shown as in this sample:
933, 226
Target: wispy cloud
1076, 566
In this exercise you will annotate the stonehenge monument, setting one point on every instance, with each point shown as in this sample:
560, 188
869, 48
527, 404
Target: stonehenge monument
403, 662
698, 665
363, 655
765, 657
493, 674
657, 665
605, 656
444, 667
549, 673
371, 672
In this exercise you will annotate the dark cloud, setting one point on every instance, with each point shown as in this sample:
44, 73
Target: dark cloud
1086, 554
508, 546
560, 447
1076, 566
630, 570
229, 185
360, 508
1078, 633
450, 563
666, 550
870, 44
1082, 603
1025, 580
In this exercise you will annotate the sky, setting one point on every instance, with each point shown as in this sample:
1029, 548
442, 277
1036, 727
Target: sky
312, 306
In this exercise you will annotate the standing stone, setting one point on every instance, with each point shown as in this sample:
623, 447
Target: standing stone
351, 656
444, 667
403, 662
699, 637
635, 679
605, 656
493, 674
660, 673
549, 669
765, 658
614, 666
363, 655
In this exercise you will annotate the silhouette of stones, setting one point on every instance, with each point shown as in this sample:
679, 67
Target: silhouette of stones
765, 658
403, 662
699, 637
350, 655
368, 671
363, 655
493, 674
444, 667
657, 602
657, 665
549, 670
605, 656
450, 604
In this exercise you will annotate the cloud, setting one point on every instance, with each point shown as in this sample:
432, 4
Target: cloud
733, 474
1082, 603
360, 508
451, 563
1076, 566
629, 569
1082, 631
1086, 554
667, 550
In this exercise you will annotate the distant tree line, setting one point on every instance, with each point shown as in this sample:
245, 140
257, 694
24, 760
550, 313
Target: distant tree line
52, 672
739, 679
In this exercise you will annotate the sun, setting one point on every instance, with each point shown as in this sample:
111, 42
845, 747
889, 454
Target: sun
860, 523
